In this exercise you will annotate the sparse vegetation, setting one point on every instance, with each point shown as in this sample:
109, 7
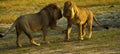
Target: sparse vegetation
11, 9
102, 42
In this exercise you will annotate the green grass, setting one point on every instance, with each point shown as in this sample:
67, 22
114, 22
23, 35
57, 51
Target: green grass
102, 42
11, 9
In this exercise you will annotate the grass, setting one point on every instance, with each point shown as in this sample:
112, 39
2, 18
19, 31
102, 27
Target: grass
11, 9
102, 42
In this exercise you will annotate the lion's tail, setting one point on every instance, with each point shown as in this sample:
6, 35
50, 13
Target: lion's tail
11, 29
94, 18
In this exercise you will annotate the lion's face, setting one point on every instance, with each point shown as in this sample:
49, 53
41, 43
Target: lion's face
68, 11
55, 11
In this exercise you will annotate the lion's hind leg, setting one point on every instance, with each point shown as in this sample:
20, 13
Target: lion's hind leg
28, 33
90, 31
90, 27
18, 33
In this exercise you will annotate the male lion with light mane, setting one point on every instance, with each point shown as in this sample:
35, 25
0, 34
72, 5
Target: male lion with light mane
80, 17
47, 17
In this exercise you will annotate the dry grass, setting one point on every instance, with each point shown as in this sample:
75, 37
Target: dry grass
11, 9
102, 42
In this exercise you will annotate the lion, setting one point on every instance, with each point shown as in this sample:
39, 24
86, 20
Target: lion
47, 17
80, 17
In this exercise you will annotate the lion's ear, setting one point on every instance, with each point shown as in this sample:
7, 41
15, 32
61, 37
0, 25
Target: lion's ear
68, 3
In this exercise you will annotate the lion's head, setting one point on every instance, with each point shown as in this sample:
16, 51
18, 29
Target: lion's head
53, 11
69, 11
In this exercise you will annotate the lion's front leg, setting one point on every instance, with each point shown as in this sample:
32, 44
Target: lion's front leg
68, 31
80, 36
84, 29
44, 30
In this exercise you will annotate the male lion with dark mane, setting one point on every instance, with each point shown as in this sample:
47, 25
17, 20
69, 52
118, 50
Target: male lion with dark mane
47, 17
80, 17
